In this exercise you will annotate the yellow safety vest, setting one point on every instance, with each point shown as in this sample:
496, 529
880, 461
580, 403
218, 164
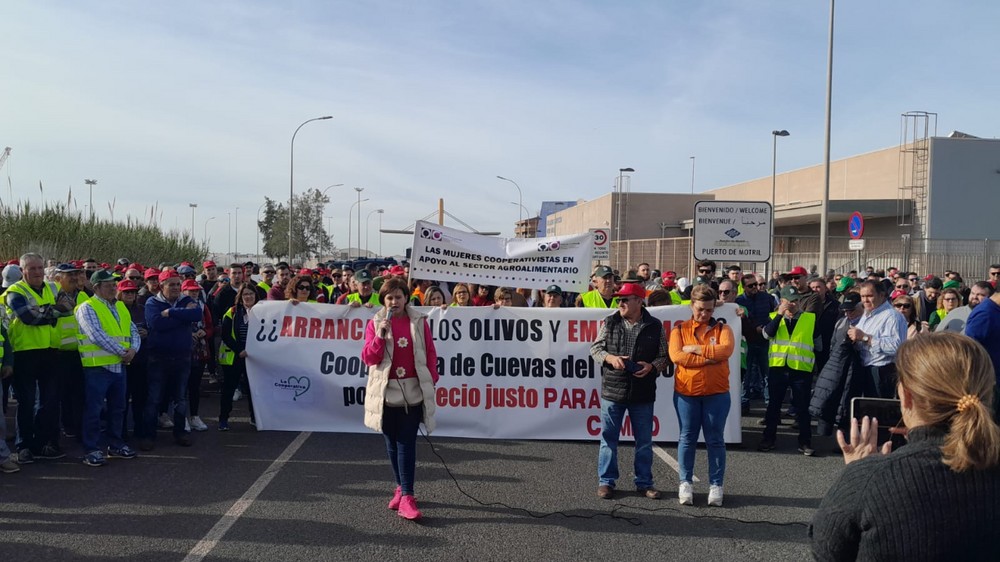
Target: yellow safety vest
93, 355
795, 350
675, 298
265, 286
67, 327
24, 337
228, 356
593, 299
356, 297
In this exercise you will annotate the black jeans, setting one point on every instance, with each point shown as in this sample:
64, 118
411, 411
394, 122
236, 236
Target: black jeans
71, 390
194, 386
36, 376
778, 380
233, 375
136, 394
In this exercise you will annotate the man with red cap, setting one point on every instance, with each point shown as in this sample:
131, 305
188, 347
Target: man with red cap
632, 350
169, 316
152, 279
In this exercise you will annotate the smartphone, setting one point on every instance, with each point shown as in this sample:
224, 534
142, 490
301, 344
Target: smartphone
886, 410
631, 367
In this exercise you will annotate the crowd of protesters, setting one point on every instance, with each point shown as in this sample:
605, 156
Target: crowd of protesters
127, 346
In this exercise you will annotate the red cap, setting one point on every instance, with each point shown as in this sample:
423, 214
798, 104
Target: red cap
929, 277
187, 263
307, 272
151, 273
632, 290
119, 268
105, 265
669, 283
77, 264
167, 274
669, 275
397, 270
207, 264
798, 270
127, 285
16, 262
190, 285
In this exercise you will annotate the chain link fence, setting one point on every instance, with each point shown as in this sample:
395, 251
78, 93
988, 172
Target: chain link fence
971, 258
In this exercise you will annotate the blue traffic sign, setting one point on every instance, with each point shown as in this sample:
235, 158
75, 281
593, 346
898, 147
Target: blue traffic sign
856, 225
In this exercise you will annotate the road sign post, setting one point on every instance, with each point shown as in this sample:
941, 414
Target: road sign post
602, 244
734, 231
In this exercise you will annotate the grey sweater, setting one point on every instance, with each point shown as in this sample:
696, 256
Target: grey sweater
909, 506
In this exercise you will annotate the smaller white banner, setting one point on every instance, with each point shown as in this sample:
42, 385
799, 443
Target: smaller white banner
446, 254
732, 230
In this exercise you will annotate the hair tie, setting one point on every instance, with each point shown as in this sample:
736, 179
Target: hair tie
967, 402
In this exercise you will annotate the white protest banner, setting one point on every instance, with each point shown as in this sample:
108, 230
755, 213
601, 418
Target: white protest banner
507, 373
448, 254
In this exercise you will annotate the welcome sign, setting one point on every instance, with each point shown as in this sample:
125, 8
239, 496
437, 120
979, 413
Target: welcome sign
507, 373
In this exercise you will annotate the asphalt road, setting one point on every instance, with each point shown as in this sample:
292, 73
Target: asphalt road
248, 495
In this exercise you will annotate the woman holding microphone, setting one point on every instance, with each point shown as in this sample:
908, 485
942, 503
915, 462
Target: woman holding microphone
400, 352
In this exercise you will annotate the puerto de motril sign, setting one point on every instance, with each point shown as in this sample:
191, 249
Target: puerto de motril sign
733, 230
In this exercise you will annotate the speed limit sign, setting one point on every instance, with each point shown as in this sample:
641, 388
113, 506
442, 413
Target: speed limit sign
602, 244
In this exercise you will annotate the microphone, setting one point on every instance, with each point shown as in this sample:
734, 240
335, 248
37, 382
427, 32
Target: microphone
383, 329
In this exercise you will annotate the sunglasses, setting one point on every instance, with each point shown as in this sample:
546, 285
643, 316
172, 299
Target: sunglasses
304, 287
913, 280
706, 271
950, 299
995, 273
902, 286
750, 285
268, 272
726, 292
135, 278
903, 305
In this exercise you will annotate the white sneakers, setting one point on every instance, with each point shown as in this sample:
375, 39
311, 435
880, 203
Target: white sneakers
237, 395
685, 493
197, 424
715, 496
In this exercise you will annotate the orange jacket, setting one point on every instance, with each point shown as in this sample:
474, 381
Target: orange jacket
693, 376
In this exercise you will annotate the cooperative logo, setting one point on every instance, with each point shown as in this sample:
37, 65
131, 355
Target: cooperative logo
548, 246
733, 233
430, 234
299, 385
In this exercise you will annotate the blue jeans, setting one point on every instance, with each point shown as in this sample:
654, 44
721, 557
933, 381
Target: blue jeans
167, 378
100, 384
399, 427
800, 381
755, 378
694, 415
641, 423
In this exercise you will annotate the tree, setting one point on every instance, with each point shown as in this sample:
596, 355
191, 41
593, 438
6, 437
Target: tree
309, 238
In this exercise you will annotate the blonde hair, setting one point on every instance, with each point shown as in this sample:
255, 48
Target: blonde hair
952, 381
703, 292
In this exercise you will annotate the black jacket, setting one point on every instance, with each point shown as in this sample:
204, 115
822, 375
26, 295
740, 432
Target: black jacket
620, 386
830, 399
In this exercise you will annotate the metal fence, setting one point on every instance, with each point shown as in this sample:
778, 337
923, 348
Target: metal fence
971, 258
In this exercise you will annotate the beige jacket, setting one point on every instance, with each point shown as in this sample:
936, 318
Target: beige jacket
378, 375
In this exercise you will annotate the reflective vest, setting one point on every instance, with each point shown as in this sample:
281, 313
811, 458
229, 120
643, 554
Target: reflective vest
93, 355
265, 286
593, 299
67, 327
24, 337
356, 297
1, 345
795, 350
228, 356
675, 298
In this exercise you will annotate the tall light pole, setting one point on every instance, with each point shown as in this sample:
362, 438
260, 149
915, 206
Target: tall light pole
193, 207
258, 227
329, 226
229, 232
824, 216
236, 232
367, 228
350, 218
327, 188
205, 231
359, 190
774, 182
380, 213
692, 175
520, 217
291, 179
618, 221
90, 187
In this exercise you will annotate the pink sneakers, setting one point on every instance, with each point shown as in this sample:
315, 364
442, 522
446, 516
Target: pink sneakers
408, 508
394, 502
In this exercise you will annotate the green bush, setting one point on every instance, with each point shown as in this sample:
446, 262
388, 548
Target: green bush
56, 233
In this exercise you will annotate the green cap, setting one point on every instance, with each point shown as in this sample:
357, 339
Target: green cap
790, 293
101, 276
845, 284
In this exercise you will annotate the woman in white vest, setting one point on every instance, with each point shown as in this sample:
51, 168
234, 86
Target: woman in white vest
402, 372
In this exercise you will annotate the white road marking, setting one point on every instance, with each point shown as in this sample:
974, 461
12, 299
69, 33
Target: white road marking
670, 460
215, 534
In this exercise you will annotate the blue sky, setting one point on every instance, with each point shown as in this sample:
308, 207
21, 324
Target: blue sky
195, 102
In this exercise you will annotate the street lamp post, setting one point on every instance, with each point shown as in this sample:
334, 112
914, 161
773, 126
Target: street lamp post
520, 223
367, 229
618, 221
692, 175
90, 187
824, 216
259, 209
229, 232
329, 246
193, 207
291, 179
350, 218
236, 232
205, 231
380, 213
774, 182
359, 190
520, 217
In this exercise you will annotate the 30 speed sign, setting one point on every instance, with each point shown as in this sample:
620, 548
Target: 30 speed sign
602, 244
